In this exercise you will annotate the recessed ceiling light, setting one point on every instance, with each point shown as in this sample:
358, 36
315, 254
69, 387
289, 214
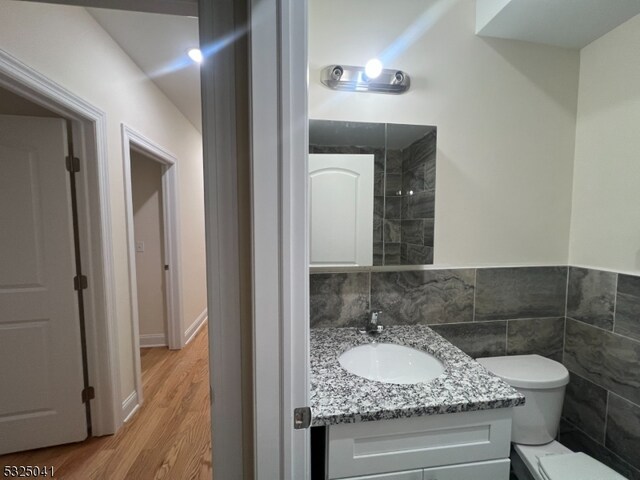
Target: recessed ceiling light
195, 54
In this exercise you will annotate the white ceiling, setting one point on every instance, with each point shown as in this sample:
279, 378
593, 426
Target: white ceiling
158, 44
563, 23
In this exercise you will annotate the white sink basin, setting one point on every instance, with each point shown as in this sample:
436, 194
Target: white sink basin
390, 363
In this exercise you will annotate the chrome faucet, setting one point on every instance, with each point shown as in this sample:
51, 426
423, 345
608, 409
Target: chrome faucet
372, 327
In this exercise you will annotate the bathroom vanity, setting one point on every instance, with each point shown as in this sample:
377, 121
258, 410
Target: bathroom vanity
454, 427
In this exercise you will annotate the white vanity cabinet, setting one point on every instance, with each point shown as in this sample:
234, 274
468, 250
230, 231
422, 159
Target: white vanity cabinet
457, 446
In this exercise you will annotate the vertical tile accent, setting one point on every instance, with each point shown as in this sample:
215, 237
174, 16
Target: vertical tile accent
604, 358
628, 306
525, 292
543, 336
591, 296
585, 404
484, 339
423, 296
338, 299
623, 429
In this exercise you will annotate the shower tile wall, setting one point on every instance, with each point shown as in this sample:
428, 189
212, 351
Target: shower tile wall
410, 181
418, 201
508, 311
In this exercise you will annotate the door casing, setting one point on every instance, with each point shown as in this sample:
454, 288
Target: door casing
94, 212
132, 140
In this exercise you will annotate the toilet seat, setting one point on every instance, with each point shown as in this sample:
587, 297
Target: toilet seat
577, 466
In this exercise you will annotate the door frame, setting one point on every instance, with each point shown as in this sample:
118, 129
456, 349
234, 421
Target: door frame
89, 133
133, 140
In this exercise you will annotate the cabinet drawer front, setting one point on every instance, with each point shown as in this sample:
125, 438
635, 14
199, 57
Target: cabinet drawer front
412, 475
491, 470
418, 442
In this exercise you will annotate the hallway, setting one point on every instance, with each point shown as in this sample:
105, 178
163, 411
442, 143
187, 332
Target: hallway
168, 438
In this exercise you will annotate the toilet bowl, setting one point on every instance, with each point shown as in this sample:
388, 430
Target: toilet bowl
535, 425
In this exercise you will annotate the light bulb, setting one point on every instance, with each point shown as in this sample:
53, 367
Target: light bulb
373, 68
195, 54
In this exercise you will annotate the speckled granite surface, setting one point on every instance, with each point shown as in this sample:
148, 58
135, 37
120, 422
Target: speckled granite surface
338, 396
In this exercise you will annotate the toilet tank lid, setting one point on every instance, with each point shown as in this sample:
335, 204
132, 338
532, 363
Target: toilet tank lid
527, 371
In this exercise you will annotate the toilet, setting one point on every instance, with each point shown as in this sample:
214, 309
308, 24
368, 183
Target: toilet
535, 424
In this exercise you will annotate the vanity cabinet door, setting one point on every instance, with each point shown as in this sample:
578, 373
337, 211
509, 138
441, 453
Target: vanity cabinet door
412, 475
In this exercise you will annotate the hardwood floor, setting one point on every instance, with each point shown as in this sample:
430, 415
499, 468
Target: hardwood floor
168, 438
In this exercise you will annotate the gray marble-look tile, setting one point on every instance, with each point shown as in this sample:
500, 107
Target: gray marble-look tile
420, 151
378, 157
378, 206
413, 180
413, 231
377, 229
430, 172
392, 249
417, 255
378, 258
424, 296
623, 429
338, 299
418, 205
393, 208
591, 295
585, 405
392, 231
393, 259
428, 232
378, 184
604, 358
485, 339
543, 336
628, 306
576, 440
520, 292
393, 185
394, 161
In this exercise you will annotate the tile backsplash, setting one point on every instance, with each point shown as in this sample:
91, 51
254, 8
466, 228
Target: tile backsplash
588, 319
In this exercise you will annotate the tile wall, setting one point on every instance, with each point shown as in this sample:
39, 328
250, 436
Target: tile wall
588, 319
602, 352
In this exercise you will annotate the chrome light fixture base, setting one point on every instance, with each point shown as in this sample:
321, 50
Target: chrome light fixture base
354, 79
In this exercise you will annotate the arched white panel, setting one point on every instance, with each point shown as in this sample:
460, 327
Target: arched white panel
341, 202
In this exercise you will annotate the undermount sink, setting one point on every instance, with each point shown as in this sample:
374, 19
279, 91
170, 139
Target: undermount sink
391, 363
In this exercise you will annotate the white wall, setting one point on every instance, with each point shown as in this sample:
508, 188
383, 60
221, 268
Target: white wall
505, 113
605, 223
146, 190
68, 46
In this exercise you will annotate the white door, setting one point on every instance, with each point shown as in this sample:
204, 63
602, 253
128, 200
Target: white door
40, 354
341, 195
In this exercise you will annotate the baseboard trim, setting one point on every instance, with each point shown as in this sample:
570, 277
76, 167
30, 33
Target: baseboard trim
153, 340
130, 406
196, 326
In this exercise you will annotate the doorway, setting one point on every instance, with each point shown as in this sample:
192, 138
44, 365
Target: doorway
153, 226
105, 235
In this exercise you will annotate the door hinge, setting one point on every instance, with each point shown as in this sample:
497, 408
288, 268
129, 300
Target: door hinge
88, 393
301, 418
166, 268
80, 282
73, 164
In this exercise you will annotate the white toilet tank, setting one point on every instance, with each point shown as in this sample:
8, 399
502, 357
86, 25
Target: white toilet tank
542, 381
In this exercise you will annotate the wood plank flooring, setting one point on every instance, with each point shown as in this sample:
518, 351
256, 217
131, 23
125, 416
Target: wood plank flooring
168, 438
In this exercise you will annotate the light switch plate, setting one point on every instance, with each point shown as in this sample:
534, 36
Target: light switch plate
139, 246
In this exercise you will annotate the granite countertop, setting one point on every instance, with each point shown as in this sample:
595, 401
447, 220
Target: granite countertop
338, 396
